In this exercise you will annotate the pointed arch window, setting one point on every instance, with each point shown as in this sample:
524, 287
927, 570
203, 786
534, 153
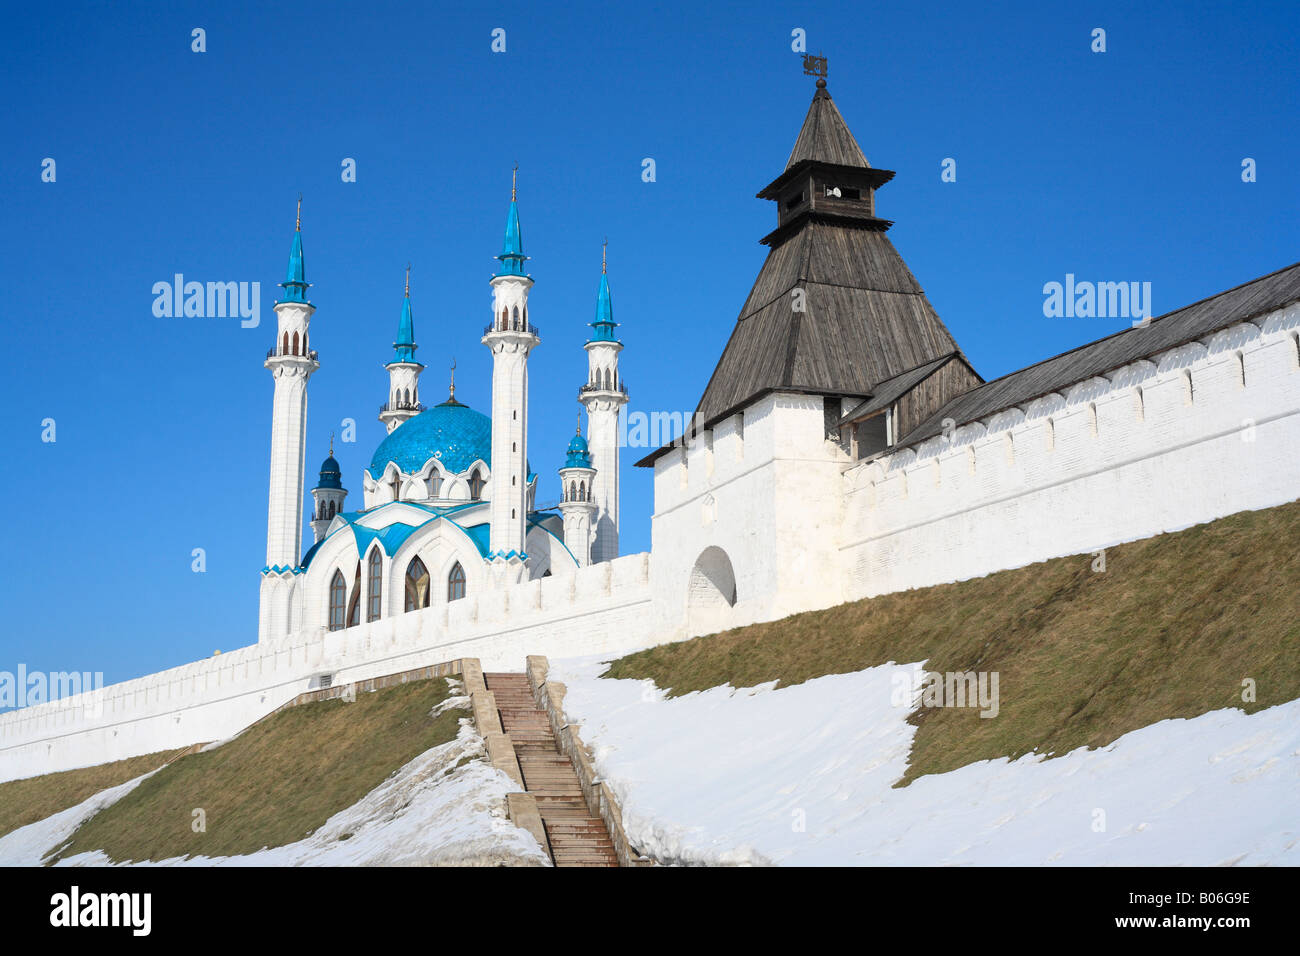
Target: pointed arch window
354, 603
573, 491
417, 585
456, 583
285, 349
374, 584
338, 592
397, 487
476, 484
295, 343
435, 484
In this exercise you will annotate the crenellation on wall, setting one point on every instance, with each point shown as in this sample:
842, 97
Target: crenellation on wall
1110, 459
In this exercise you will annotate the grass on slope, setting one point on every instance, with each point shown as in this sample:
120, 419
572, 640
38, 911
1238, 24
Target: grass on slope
35, 798
1171, 628
275, 783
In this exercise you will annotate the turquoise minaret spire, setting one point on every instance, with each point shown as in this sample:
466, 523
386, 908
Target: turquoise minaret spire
295, 283
405, 345
512, 250
604, 324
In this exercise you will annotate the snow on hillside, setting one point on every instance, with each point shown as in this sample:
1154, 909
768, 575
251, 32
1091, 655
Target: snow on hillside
430, 812
803, 776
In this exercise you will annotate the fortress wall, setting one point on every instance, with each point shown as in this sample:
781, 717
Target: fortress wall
598, 609
1152, 447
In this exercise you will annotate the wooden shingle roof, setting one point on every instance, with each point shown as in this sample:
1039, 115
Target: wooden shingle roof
825, 137
1249, 300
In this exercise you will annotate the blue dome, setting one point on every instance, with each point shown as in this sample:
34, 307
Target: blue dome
330, 474
453, 433
578, 456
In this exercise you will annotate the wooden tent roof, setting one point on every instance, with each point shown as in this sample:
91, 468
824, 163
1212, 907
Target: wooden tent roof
864, 317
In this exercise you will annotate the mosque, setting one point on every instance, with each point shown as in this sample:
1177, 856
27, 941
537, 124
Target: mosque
449, 498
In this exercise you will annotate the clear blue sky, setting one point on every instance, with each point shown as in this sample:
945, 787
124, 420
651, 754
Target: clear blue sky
1117, 166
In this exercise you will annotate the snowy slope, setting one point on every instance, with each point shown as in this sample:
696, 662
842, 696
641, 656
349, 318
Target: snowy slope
803, 776
430, 812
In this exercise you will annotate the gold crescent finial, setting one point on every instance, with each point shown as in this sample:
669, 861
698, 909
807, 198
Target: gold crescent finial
331, 444
452, 389
579, 422
298, 226
514, 182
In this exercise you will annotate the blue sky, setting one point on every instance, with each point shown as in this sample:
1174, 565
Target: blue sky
1116, 166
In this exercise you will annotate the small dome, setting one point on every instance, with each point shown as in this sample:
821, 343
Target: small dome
330, 475
578, 456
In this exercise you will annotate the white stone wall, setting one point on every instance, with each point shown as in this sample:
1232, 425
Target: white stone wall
604, 608
767, 493
1152, 447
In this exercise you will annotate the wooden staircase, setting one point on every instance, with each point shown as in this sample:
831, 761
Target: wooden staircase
576, 836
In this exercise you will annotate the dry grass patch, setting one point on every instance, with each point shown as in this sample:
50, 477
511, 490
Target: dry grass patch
35, 798
1170, 629
275, 783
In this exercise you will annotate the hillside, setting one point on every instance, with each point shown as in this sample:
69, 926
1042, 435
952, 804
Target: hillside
391, 777
1170, 629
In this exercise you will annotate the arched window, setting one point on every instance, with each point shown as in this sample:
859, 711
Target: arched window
285, 350
338, 590
476, 484
435, 484
456, 583
573, 491
354, 603
516, 318
295, 343
609, 379
406, 396
417, 585
305, 350
333, 508
374, 584
397, 487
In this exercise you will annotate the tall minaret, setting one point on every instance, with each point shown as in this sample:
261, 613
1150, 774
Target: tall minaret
604, 396
511, 338
291, 362
404, 371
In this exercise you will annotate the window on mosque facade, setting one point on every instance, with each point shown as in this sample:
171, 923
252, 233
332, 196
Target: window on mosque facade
417, 585
456, 583
354, 603
374, 584
338, 592
476, 484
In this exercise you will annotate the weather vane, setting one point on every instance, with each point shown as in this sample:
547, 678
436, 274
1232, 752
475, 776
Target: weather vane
814, 65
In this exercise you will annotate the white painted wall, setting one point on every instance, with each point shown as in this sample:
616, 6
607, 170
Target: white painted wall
1117, 458
604, 608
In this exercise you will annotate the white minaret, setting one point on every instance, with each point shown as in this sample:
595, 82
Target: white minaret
404, 371
604, 396
511, 338
328, 495
577, 505
292, 363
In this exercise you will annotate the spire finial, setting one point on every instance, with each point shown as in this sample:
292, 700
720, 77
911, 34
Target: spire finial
579, 422
451, 397
298, 225
604, 246
514, 182
331, 444
408, 280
